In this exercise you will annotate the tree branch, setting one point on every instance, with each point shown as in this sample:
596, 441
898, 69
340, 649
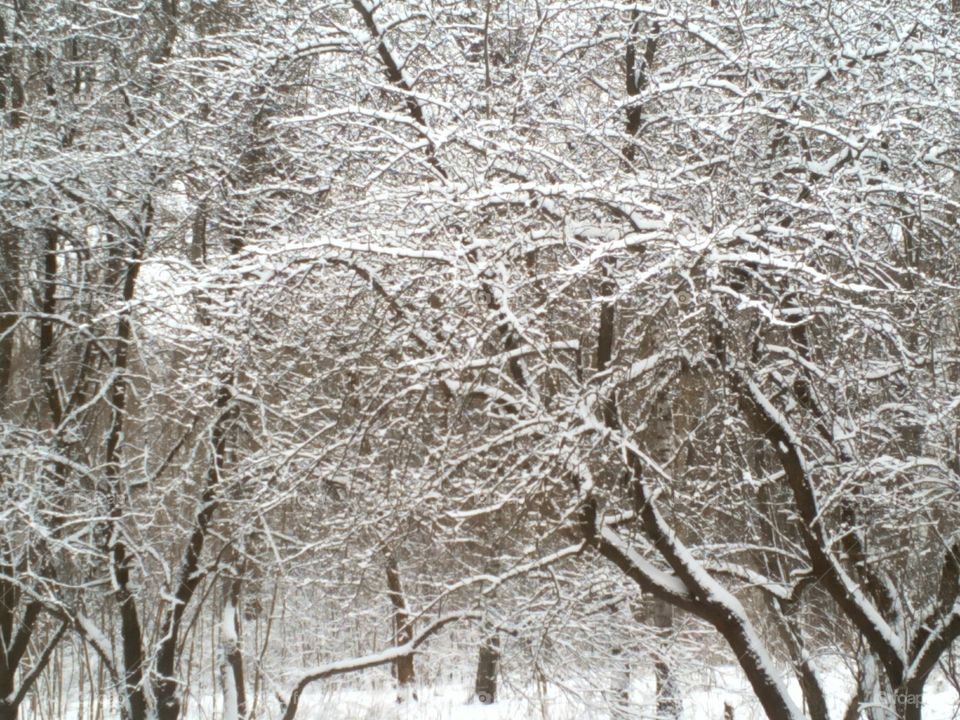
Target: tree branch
342, 667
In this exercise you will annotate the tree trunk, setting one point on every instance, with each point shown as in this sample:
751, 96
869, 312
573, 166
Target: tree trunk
620, 684
908, 701
488, 656
877, 700
871, 690
231, 666
668, 703
7, 711
488, 667
130, 626
9, 596
133, 659
9, 305
662, 433
402, 629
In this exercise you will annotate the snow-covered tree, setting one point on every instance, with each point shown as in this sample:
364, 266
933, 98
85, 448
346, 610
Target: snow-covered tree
537, 314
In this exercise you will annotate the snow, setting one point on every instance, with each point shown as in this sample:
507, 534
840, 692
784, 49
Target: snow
669, 583
228, 626
95, 636
705, 693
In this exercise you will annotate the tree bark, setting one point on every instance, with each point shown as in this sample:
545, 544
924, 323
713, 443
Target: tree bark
488, 655
402, 628
131, 632
908, 700
9, 596
9, 304
636, 78
231, 668
488, 668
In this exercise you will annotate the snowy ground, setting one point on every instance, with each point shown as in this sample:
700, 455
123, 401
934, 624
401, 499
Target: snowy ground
705, 702
704, 699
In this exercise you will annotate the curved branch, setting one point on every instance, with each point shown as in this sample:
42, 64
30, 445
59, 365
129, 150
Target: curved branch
342, 667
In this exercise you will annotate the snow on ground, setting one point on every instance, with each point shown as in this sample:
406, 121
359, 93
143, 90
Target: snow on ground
704, 697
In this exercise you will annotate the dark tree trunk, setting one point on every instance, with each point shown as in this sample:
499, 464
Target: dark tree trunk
637, 70
876, 700
131, 632
908, 700
394, 75
198, 242
133, 659
7, 711
9, 305
789, 630
402, 627
812, 692
12, 102
775, 703
488, 668
728, 618
191, 574
9, 599
18, 620
232, 649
